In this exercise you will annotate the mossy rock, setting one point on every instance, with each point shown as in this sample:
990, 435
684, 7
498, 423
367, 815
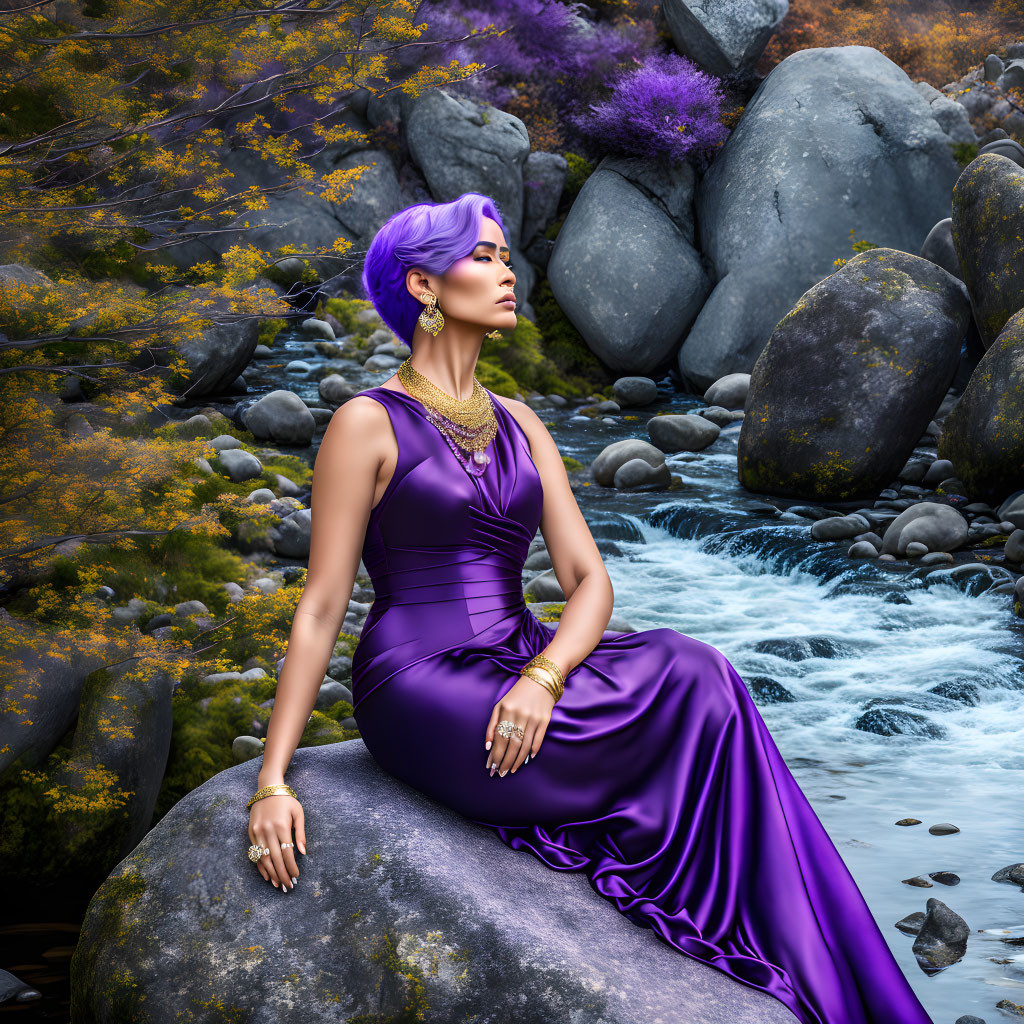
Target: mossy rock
983, 435
850, 378
988, 227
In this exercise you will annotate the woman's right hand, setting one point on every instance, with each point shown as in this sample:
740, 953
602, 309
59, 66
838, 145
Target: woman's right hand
274, 820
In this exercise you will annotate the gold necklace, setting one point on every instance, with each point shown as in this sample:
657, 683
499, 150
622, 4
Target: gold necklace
468, 424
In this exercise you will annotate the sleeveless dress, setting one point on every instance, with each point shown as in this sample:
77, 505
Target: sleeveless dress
657, 775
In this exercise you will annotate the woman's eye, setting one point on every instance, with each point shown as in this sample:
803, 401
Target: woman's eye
508, 263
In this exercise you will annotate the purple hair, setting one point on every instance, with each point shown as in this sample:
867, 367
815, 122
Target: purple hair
429, 236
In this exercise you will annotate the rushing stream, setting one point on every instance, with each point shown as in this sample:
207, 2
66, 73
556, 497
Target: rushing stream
717, 563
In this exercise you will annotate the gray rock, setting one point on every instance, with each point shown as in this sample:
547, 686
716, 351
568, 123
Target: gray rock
988, 201
729, 391
243, 748
195, 426
832, 137
862, 549
635, 391
299, 367
335, 390
219, 353
14, 990
1014, 549
383, 922
725, 37
982, 436
318, 328
462, 146
851, 377
631, 314
280, 416
224, 442
682, 433
620, 452
330, 693
544, 177
238, 465
41, 692
938, 527
382, 362
544, 587
542, 560
637, 473
720, 416
838, 527
938, 247
942, 939
291, 536
261, 496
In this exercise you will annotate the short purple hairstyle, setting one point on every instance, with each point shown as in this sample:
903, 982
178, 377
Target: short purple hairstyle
430, 236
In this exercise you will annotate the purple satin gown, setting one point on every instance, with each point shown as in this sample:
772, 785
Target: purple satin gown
657, 775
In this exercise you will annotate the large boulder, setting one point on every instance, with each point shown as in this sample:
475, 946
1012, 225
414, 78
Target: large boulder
834, 138
983, 435
725, 37
988, 223
463, 146
123, 736
280, 416
624, 269
383, 924
851, 378
42, 688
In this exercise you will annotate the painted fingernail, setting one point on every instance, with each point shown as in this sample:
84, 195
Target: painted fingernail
294, 880
504, 773
487, 745
488, 765
527, 758
275, 885
494, 768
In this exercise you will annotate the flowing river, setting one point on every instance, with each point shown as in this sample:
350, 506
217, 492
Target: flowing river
718, 563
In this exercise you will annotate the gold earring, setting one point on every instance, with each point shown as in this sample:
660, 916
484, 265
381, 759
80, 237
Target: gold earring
493, 334
431, 319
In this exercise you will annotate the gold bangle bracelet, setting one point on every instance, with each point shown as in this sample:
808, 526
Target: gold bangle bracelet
559, 689
547, 684
268, 791
545, 662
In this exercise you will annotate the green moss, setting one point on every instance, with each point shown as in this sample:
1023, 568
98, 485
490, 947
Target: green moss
571, 464
345, 310
565, 347
964, 152
579, 170
522, 358
269, 330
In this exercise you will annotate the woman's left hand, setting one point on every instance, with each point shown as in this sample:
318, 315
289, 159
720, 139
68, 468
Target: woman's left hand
529, 705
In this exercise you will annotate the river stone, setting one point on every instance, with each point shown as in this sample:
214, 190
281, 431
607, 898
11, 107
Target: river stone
14, 990
724, 37
988, 221
984, 434
318, 328
729, 391
635, 391
383, 924
942, 938
938, 247
682, 432
238, 465
833, 137
544, 587
629, 311
638, 473
292, 534
620, 452
280, 416
950, 523
851, 378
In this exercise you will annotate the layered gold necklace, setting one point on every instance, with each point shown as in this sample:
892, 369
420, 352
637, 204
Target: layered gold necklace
468, 424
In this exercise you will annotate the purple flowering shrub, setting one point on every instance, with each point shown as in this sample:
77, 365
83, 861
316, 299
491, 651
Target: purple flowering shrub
665, 106
546, 62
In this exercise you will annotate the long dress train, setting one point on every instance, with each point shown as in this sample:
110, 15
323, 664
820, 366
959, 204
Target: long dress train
657, 775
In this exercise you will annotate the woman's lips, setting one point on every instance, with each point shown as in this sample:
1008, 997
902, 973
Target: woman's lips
510, 303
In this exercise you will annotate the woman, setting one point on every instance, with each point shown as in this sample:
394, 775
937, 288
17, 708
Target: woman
658, 778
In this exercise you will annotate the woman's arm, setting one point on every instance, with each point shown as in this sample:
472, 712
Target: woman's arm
344, 481
576, 561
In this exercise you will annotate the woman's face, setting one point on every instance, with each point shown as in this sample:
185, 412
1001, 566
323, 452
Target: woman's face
472, 288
